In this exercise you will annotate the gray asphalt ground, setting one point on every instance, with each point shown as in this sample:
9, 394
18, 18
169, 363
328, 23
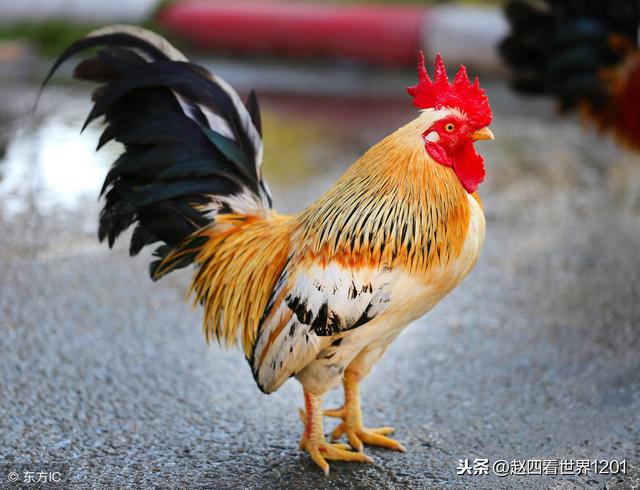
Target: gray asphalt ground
535, 356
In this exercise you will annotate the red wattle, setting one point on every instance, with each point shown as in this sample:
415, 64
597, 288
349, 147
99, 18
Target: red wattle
469, 167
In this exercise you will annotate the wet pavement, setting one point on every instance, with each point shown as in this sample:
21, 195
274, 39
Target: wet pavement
535, 356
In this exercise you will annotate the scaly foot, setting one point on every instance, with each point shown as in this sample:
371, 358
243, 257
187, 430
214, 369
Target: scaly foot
357, 434
352, 425
313, 440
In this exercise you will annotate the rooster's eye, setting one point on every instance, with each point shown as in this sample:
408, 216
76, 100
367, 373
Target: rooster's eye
449, 127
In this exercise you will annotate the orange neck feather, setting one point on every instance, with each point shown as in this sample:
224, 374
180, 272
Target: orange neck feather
395, 206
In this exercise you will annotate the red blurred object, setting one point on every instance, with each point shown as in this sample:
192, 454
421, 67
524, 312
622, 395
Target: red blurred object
387, 35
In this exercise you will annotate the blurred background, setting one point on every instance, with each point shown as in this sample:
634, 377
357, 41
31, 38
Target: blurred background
536, 355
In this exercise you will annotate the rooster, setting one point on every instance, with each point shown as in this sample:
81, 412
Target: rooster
585, 54
318, 296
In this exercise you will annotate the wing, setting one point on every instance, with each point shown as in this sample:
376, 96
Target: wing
309, 305
192, 149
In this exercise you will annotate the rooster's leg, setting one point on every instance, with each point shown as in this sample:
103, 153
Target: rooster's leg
351, 416
313, 440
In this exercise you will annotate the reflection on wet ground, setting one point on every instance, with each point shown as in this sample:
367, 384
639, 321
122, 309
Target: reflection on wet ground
52, 163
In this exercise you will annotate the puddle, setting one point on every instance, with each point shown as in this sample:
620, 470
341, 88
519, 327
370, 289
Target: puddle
51, 166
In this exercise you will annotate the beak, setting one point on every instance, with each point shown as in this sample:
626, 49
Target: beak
482, 134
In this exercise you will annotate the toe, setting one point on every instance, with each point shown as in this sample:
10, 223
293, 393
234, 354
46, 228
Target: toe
383, 431
355, 441
331, 451
303, 416
334, 412
374, 439
337, 432
342, 446
317, 458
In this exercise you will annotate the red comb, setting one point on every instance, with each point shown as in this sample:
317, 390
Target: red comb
460, 94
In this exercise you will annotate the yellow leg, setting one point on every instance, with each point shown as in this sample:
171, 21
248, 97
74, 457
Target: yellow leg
352, 425
313, 440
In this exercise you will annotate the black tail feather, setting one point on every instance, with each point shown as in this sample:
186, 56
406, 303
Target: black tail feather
192, 149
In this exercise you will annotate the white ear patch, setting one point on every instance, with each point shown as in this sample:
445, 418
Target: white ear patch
432, 137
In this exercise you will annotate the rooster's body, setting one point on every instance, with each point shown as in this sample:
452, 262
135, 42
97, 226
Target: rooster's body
320, 295
583, 53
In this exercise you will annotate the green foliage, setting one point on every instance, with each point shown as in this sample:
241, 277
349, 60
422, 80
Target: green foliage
293, 149
51, 37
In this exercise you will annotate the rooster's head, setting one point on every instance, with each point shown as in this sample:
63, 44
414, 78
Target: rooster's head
460, 116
